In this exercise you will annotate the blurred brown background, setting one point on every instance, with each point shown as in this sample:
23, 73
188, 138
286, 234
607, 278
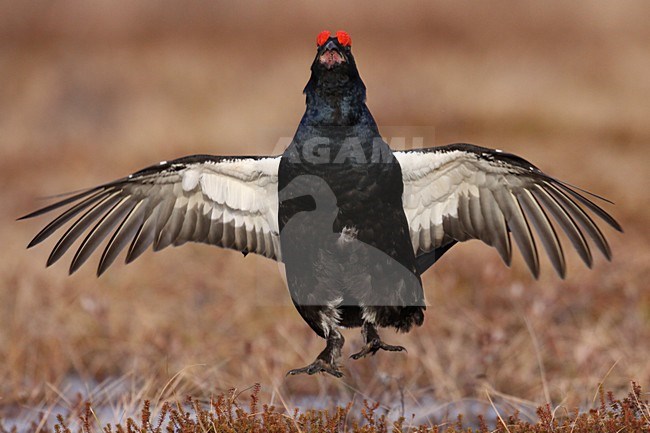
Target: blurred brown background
91, 91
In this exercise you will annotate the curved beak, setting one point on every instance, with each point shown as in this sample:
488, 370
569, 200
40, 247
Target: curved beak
330, 46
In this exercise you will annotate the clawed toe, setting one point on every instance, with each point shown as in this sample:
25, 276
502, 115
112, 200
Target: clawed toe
373, 347
318, 366
390, 348
326, 361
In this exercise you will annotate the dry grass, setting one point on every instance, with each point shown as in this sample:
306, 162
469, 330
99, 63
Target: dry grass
229, 412
91, 93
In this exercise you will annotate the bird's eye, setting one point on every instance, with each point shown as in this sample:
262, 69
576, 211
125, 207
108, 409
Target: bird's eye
343, 38
322, 37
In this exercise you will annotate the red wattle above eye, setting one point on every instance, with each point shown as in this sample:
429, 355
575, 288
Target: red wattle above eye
322, 37
343, 38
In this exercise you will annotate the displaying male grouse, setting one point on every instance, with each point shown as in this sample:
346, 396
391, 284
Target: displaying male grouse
355, 223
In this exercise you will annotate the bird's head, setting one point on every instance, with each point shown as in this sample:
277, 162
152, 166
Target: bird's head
333, 51
334, 64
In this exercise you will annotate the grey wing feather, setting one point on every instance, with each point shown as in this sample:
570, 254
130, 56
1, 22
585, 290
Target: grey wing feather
461, 192
230, 202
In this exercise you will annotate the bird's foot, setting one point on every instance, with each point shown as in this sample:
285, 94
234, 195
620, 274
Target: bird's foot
373, 346
318, 366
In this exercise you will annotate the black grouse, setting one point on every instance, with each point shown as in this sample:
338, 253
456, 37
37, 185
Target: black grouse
355, 223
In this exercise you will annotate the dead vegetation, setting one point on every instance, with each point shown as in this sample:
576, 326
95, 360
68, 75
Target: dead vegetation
228, 413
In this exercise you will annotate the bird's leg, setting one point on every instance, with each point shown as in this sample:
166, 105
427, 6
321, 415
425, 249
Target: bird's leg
373, 343
326, 361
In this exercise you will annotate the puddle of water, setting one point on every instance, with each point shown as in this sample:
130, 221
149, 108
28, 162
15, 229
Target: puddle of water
116, 400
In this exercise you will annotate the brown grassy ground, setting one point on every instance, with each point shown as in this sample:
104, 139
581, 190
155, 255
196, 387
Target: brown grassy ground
234, 412
92, 91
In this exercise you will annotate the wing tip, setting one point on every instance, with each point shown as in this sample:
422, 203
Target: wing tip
608, 256
52, 258
42, 210
604, 215
33, 243
74, 266
535, 272
100, 270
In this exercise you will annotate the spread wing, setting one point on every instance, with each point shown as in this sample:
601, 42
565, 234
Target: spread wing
231, 202
460, 192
